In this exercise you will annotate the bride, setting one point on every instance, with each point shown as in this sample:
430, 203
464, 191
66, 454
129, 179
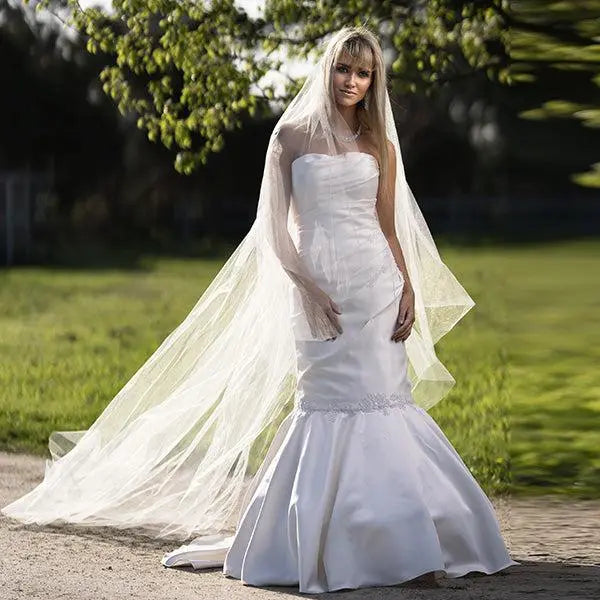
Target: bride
283, 424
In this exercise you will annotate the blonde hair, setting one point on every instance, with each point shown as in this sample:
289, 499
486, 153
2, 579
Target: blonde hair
362, 46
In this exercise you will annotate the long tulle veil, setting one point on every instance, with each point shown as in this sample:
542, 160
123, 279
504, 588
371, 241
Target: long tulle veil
176, 451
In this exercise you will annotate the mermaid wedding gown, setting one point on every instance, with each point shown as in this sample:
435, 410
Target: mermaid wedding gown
364, 488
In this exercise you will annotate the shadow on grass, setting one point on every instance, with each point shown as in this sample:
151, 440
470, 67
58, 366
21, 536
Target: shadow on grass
128, 254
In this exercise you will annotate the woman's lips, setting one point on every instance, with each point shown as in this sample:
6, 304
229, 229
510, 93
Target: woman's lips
348, 93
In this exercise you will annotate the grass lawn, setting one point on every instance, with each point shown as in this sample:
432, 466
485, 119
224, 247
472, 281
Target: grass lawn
524, 413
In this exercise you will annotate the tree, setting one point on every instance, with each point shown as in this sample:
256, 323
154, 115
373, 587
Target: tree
189, 70
560, 39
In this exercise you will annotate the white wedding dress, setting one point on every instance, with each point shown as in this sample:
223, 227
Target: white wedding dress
364, 488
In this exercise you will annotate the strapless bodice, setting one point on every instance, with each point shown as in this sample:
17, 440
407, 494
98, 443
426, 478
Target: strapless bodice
326, 182
338, 233
334, 197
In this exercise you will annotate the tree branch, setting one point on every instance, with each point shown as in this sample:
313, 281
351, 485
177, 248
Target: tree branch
559, 30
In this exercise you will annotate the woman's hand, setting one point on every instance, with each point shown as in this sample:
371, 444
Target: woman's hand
328, 306
406, 315
331, 309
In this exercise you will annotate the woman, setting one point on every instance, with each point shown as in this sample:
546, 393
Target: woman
357, 486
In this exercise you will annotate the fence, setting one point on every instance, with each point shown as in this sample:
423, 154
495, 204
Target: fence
24, 196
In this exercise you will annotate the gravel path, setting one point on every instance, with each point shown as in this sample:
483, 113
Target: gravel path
557, 541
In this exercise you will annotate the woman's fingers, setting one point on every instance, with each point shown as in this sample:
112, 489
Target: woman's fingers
401, 335
405, 318
333, 318
330, 308
336, 309
404, 323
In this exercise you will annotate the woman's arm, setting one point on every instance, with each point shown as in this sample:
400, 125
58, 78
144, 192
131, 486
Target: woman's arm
282, 241
320, 310
385, 212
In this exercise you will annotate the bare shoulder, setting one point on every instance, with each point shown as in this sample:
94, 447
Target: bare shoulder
391, 156
290, 131
289, 136
369, 145
391, 150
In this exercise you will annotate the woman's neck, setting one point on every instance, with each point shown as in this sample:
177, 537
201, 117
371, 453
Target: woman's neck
349, 115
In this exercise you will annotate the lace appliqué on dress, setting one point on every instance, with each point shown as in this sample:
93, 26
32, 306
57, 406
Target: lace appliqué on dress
374, 239
374, 275
369, 403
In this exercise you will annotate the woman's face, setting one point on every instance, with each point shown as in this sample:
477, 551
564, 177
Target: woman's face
350, 81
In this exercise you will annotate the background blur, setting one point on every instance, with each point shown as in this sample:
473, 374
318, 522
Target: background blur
131, 154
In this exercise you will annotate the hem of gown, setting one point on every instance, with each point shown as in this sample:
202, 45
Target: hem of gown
449, 573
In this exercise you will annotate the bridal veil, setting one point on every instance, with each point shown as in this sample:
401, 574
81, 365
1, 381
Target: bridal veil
176, 451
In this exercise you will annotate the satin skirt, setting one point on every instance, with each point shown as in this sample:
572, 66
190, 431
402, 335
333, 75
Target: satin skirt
365, 499
364, 489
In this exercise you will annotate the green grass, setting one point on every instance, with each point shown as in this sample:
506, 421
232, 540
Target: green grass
524, 413
535, 337
70, 339
555, 359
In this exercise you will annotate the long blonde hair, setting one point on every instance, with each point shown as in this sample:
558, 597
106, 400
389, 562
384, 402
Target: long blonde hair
363, 46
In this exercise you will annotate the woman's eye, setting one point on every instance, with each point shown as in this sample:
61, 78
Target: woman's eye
343, 69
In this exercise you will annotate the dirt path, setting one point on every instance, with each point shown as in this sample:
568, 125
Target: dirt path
557, 542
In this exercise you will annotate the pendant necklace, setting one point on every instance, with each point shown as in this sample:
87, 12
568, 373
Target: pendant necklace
351, 138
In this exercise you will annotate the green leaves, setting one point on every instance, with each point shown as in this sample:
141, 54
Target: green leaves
558, 37
185, 69
190, 70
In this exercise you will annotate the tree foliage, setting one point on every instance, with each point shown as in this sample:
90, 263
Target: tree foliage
191, 70
560, 37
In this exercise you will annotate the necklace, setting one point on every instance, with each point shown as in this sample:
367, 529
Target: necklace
350, 138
